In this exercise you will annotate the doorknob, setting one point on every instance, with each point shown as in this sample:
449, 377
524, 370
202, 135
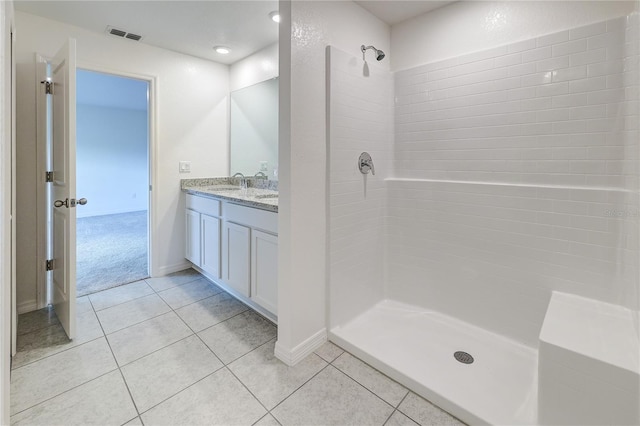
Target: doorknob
60, 203
70, 203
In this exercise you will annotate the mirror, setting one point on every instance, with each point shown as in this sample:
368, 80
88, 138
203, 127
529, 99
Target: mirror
254, 129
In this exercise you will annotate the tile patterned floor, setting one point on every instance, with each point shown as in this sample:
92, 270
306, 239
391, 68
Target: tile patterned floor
178, 350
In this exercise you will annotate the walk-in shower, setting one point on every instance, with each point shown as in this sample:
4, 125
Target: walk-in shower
499, 235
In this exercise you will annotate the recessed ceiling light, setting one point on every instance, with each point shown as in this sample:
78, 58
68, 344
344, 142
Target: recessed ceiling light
275, 16
223, 50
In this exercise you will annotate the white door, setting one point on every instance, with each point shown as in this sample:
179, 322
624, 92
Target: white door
63, 148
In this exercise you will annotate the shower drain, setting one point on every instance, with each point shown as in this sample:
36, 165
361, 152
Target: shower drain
463, 357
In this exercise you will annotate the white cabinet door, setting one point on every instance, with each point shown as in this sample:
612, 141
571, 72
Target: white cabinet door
236, 257
192, 248
210, 248
264, 270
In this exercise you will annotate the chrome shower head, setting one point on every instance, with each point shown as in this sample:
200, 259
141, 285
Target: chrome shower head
379, 53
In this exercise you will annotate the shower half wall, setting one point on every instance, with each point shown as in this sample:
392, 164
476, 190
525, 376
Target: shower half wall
501, 177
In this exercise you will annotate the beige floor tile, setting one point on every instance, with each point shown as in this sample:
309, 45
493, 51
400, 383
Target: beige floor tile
218, 399
102, 401
162, 374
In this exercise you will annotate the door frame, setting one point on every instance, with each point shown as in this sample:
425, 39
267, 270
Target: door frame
152, 199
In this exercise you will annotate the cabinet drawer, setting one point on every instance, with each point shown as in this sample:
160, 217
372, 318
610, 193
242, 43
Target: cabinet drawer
253, 218
203, 205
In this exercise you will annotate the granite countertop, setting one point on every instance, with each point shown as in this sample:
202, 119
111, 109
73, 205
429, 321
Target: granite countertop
260, 193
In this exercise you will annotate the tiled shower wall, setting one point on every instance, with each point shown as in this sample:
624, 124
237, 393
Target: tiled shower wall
515, 174
361, 119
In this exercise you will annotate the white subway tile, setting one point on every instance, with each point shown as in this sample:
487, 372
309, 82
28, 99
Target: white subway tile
536, 54
563, 127
572, 100
554, 38
588, 166
577, 153
618, 24
521, 46
604, 68
554, 115
602, 125
589, 30
607, 153
535, 104
605, 96
554, 89
588, 57
588, 85
569, 47
594, 111
521, 69
606, 40
553, 64
507, 60
567, 74
521, 93
536, 79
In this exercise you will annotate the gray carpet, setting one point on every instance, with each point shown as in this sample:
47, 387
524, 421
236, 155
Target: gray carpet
111, 251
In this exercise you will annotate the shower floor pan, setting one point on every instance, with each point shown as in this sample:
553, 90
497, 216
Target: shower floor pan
415, 346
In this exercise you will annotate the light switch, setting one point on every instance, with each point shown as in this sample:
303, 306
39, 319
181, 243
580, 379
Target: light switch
185, 167
263, 166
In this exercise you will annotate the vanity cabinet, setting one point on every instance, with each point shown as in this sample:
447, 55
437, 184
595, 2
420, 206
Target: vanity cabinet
203, 234
236, 254
264, 269
237, 247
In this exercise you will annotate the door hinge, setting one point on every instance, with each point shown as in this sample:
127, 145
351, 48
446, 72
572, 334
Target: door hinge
50, 265
48, 176
48, 87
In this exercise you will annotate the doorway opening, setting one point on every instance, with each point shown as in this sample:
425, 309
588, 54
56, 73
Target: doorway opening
112, 173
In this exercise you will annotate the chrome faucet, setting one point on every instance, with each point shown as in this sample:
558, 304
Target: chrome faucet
260, 175
243, 180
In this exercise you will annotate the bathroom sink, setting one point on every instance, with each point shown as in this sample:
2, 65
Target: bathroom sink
266, 196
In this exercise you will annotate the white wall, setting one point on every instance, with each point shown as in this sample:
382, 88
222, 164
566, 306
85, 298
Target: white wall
302, 161
361, 119
260, 66
469, 26
6, 23
111, 156
191, 124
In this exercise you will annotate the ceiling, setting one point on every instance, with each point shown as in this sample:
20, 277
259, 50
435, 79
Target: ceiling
195, 27
395, 11
191, 27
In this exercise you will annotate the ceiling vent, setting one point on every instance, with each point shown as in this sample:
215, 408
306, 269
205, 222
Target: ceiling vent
123, 34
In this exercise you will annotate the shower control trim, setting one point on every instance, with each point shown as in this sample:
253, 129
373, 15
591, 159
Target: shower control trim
365, 164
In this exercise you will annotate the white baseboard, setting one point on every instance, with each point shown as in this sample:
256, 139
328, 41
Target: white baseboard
27, 306
297, 354
161, 271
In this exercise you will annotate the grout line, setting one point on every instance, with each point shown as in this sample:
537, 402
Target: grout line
56, 353
62, 393
389, 418
299, 387
366, 387
248, 390
135, 406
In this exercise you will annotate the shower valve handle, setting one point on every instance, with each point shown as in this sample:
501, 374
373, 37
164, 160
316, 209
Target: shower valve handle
365, 164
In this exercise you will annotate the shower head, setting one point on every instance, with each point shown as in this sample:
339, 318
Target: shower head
379, 53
